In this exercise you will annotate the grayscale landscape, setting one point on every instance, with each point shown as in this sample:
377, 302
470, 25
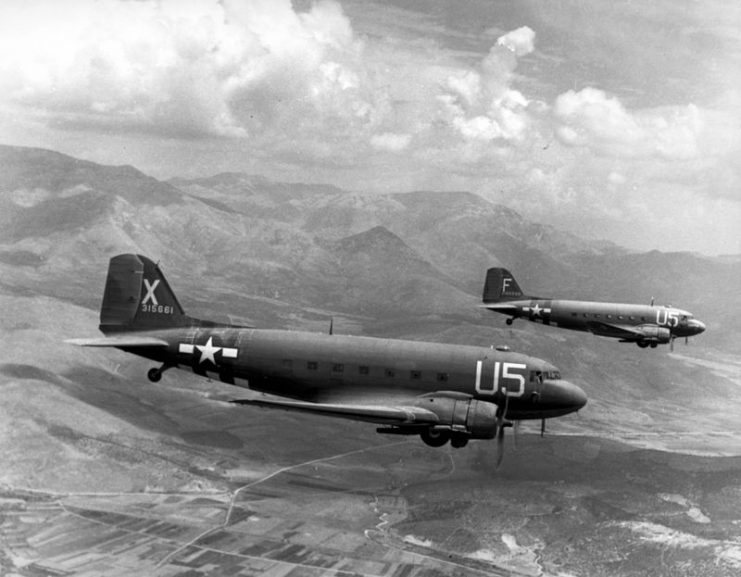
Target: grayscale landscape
104, 473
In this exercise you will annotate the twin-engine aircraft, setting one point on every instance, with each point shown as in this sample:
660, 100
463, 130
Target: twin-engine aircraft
441, 392
645, 325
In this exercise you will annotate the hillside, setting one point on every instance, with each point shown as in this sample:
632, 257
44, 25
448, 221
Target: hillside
407, 264
92, 448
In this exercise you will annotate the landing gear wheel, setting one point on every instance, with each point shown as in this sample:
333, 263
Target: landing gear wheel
510, 321
458, 441
642, 344
435, 438
654, 345
154, 375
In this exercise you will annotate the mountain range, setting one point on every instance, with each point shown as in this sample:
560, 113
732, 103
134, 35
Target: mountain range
380, 257
297, 256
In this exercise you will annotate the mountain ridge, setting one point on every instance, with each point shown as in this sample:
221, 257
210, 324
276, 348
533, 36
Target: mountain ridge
64, 218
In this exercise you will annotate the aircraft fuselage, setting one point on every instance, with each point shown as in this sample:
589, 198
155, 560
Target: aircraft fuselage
321, 367
658, 324
645, 325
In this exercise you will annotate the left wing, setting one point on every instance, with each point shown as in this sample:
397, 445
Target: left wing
130, 341
381, 414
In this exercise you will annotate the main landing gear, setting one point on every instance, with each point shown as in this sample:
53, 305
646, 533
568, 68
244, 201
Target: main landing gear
155, 374
435, 438
510, 320
644, 344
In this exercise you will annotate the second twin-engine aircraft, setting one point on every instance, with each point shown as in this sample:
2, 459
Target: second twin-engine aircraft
444, 393
645, 325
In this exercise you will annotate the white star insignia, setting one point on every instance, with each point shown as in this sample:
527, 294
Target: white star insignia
208, 351
536, 310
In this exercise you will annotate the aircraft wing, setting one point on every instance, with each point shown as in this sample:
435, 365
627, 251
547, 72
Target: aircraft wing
129, 341
615, 331
380, 414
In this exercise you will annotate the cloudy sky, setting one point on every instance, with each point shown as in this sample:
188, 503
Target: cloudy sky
609, 118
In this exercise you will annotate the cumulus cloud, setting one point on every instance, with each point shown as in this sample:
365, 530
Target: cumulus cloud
520, 41
288, 81
390, 141
481, 104
196, 67
590, 118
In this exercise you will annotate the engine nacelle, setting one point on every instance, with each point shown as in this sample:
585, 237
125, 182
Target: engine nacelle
654, 334
461, 414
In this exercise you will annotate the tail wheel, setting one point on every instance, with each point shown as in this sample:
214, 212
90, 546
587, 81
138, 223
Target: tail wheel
154, 375
435, 438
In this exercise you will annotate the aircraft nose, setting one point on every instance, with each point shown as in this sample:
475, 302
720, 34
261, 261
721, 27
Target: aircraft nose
563, 396
697, 326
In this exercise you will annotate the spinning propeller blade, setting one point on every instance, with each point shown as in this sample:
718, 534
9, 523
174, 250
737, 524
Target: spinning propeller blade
501, 424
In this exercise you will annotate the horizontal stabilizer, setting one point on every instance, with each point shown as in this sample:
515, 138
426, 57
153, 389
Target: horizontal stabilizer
403, 415
503, 307
129, 341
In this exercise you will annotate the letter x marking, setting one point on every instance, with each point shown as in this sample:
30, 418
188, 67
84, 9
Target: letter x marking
150, 292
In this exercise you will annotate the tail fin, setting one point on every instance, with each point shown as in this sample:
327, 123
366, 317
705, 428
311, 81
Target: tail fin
137, 297
500, 286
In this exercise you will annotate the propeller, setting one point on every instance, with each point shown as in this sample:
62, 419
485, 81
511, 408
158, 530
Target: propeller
502, 422
542, 427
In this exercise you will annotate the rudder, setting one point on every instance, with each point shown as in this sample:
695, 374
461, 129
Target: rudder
137, 297
500, 285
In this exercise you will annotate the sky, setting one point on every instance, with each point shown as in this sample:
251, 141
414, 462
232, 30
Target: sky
610, 119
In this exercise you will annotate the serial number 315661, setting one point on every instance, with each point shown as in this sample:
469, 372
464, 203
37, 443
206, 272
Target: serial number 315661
160, 309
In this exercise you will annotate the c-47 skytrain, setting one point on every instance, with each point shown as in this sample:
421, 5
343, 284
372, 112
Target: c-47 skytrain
442, 392
645, 325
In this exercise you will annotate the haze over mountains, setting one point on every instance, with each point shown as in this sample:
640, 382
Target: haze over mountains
390, 256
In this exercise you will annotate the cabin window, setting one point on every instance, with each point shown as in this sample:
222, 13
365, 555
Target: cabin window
631, 317
442, 377
596, 316
390, 373
338, 368
312, 365
621, 317
684, 317
363, 370
586, 315
415, 375
643, 319
573, 314
609, 316
287, 363
536, 377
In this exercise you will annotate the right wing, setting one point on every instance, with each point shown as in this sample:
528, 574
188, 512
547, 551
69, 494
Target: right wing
380, 414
